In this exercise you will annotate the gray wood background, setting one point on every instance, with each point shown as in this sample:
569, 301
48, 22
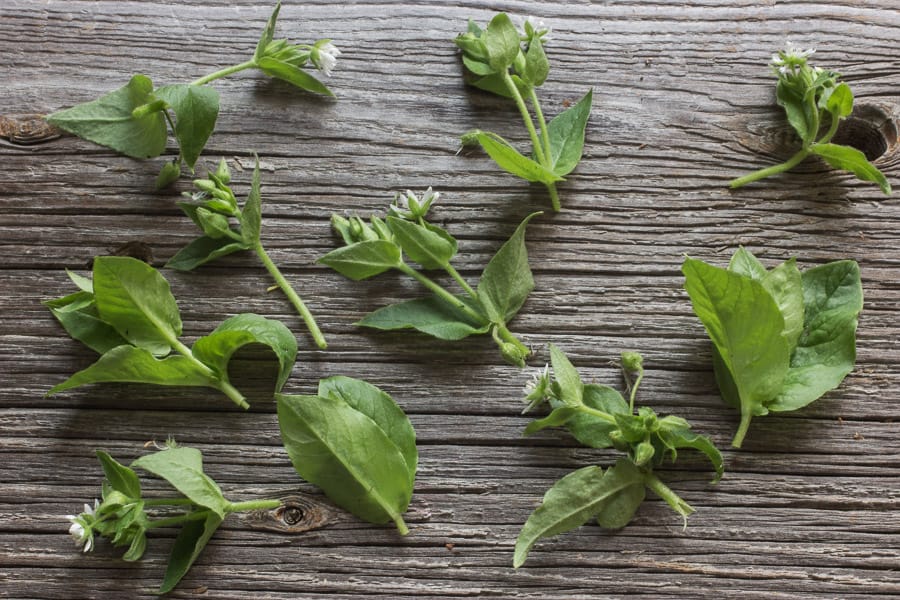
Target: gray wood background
683, 102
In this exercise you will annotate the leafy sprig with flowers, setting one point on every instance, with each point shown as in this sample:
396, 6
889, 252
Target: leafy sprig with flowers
504, 61
134, 119
384, 244
812, 98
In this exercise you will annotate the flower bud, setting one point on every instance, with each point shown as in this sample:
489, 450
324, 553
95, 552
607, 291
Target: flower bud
643, 453
512, 354
207, 185
632, 361
223, 174
169, 174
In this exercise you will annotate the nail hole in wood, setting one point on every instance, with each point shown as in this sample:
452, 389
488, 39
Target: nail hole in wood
870, 129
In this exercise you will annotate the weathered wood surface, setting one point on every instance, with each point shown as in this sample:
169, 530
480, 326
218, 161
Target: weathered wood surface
683, 102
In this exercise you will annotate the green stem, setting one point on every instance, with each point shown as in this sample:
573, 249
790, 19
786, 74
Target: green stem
545, 135
672, 499
214, 380
462, 282
526, 116
401, 525
746, 416
507, 336
773, 170
442, 293
634, 389
292, 296
197, 515
224, 72
253, 505
597, 413
168, 502
835, 121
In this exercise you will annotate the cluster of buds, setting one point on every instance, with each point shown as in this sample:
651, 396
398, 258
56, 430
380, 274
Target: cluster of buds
405, 206
322, 54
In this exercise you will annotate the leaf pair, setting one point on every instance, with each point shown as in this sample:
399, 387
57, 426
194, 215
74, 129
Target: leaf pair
781, 339
353, 441
133, 119
504, 285
128, 314
598, 416
489, 55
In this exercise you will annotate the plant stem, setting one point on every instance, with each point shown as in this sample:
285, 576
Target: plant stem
214, 380
292, 296
201, 514
168, 502
224, 72
253, 505
597, 413
507, 336
742, 429
634, 388
462, 282
835, 121
773, 170
401, 525
442, 293
197, 515
672, 499
526, 116
545, 135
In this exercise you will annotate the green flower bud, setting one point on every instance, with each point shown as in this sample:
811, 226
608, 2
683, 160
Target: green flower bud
470, 138
169, 174
223, 174
341, 226
643, 453
519, 63
512, 354
384, 232
632, 361
207, 185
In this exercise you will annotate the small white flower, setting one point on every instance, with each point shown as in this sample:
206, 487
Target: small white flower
430, 197
538, 380
325, 57
787, 61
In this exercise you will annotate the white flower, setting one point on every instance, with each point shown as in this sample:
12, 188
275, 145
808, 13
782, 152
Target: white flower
325, 57
80, 528
538, 380
788, 60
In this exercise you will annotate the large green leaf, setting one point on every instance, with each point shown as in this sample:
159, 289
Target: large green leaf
826, 351
851, 159
127, 364
784, 284
190, 542
566, 131
578, 497
109, 121
182, 467
196, 110
512, 161
217, 348
347, 454
507, 280
363, 259
203, 250
429, 315
381, 408
501, 40
746, 326
136, 300
427, 247
293, 75
78, 315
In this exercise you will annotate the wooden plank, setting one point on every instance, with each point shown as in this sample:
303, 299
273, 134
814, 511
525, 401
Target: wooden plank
683, 102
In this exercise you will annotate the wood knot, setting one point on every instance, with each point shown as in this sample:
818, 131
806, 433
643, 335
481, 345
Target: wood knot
27, 129
870, 128
297, 514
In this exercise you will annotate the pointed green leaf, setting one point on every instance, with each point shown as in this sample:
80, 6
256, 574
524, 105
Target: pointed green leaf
744, 263
293, 75
429, 315
347, 454
591, 430
425, 246
78, 315
571, 390
108, 121
537, 67
512, 161
363, 259
190, 542
136, 300
251, 214
674, 437
851, 159
216, 349
566, 132
784, 284
127, 364
121, 478
182, 467
268, 33
507, 280
196, 110
203, 250
795, 109
575, 499
381, 408
840, 101
826, 351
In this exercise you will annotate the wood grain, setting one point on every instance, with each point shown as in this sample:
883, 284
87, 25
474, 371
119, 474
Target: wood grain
683, 103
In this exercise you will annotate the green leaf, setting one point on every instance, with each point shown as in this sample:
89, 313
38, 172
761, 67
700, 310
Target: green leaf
744, 263
363, 259
507, 280
429, 315
557, 418
826, 351
426, 247
136, 300
137, 548
202, 250
591, 430
127, 364
182, 467
566, 131
108, 121
196, 110
78, 315
251, 215
537, 67
674, 437
795, 109
84, 283
571, 390
216, 349
784, 284
496, 84
840, 102
268, 33
578, 497
746, 326
851, 159
190, 542
501, 40
346, 453
620, 508
632, 427
512, 161
381, 408
293, 75
121, 478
